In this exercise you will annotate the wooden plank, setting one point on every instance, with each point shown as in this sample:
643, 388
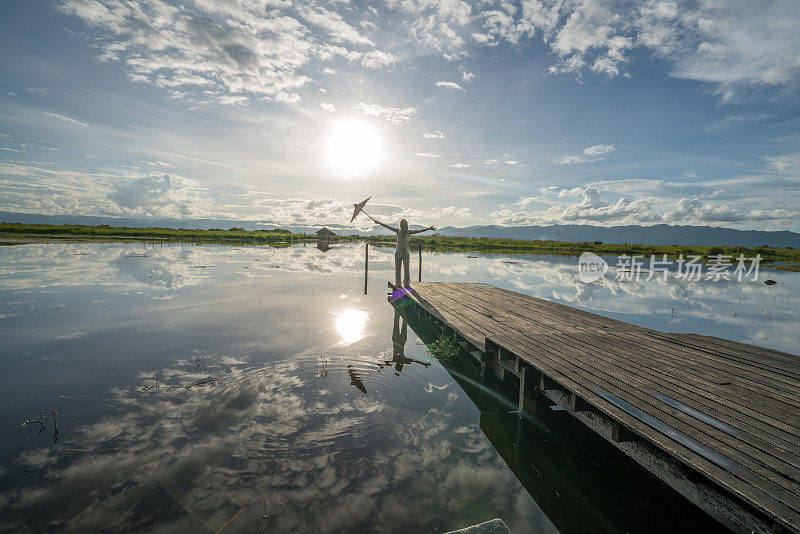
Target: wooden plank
789, 457
743, 435
766, 358
748, 492
790, 374
784, 393
710, 386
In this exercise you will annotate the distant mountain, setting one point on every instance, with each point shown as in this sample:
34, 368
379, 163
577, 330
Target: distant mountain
660, 234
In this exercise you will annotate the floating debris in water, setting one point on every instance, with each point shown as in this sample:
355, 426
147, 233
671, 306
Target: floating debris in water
151, 387
770, 282
40, 421
55, 424
265, 516
200, 383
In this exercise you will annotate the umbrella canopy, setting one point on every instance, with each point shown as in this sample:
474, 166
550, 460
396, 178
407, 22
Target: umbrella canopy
357, 208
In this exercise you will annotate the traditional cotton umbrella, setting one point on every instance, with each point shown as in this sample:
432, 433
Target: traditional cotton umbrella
358, 208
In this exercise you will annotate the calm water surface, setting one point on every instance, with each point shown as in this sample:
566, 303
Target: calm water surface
196, 386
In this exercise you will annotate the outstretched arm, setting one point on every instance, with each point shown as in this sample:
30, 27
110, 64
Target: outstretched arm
422, 230
392, 228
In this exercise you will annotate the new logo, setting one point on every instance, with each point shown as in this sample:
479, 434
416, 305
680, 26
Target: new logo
591, 267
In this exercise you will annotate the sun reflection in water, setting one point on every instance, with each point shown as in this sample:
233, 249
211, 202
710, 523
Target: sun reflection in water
350, 325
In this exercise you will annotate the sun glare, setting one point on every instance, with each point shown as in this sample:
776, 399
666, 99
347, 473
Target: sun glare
350, 325
354, 147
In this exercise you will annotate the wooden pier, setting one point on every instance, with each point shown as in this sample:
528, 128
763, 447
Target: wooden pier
718, 421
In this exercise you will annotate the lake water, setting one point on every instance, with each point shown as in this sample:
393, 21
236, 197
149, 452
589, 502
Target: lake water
200, 388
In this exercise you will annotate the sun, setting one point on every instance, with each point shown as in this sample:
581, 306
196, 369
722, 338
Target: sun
354, 147
350, 325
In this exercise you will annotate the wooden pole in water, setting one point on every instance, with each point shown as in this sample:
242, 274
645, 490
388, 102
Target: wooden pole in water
419, 276
366, 265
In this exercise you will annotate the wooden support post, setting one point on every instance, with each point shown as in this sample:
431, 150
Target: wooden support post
620, 433
779, 529
419, 276
545, 382
366, 265
503, 354
577, 404
527, 395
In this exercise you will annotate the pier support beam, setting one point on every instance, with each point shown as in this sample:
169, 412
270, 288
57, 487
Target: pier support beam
527, 390
577, 404
620, 433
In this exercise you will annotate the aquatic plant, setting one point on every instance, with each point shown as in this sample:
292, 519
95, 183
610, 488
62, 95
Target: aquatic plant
444, 349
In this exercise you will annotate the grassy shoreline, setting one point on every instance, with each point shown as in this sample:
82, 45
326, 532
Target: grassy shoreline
13, 233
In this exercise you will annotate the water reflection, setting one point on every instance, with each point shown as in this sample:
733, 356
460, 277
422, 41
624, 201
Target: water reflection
399, 338
350, 325
112, 334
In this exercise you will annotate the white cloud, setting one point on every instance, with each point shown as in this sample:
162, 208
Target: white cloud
377, 59
592, 208
232, 100
287, 98
64, 118
396, 116
467, 76
330, 108
598, 150
433, 135
511, 162
204, 50
161, 195
450, 85
296, 211
428, 155
460, 165
590, 155
693, 209
436, 24
38, 90
334, 24
727, 43
566, 160
456, 211
491, 161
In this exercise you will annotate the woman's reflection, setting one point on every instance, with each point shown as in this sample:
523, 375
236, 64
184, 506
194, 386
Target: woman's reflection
399, 338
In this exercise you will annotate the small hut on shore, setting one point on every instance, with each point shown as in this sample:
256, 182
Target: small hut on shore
325, 234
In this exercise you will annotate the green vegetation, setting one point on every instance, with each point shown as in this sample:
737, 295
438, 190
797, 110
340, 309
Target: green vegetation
11, 233
73, 231
444, 349
483, 244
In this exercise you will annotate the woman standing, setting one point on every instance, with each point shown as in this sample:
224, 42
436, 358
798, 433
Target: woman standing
401, 254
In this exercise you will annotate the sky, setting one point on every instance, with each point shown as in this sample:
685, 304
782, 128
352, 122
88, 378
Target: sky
445, 112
